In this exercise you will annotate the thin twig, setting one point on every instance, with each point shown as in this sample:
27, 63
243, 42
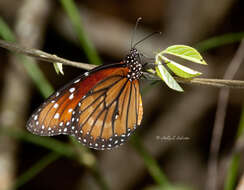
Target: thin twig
220, 119
41, 55
213, 82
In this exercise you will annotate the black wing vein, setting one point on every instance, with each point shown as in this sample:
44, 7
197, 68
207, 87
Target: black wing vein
128, 106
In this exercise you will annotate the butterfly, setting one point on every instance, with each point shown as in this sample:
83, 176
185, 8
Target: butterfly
100, 108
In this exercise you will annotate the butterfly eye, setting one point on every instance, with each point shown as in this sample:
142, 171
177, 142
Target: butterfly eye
101, 108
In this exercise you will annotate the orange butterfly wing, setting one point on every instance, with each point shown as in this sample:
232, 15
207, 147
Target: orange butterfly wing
101, 109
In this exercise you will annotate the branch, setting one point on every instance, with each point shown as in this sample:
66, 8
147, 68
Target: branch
41, 55
212, 82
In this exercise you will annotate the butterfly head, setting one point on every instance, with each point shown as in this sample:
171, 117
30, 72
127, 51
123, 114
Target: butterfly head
133, 63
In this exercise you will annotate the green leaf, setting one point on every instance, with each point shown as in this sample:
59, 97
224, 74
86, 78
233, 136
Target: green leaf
167, 78
182, 71
58, 68
185, 52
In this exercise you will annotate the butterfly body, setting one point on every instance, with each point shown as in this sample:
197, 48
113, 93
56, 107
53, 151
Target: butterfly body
101, 108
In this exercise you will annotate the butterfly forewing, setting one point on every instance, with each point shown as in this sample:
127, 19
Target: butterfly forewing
100, 108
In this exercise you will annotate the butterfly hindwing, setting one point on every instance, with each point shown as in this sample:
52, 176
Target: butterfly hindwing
108, 115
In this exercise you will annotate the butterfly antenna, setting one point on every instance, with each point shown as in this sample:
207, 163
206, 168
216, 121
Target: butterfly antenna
134, 31
146, 37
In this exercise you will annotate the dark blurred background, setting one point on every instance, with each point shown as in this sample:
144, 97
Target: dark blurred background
109, 24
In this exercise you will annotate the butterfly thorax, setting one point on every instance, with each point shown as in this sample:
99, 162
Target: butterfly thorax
133, 63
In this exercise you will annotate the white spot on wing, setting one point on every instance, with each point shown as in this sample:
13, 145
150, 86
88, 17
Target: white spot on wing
56, 105
78, 80
86, 74
71, 96
70, 110
72, 90
56, 116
